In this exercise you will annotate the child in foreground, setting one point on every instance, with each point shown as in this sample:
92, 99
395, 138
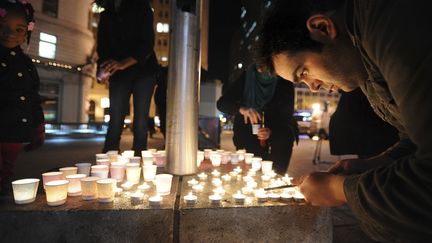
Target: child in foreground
21, 116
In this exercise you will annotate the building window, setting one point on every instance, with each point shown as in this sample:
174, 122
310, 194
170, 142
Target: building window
162, 27
160, 14
164, 59
166, 14
47, 45
167, 1
159, 42
50, 7
165, 42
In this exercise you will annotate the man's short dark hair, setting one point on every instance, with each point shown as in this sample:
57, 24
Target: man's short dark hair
284, 29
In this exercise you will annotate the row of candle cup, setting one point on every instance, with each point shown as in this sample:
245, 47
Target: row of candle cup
219, 157
25, 190
116, 170
148, 157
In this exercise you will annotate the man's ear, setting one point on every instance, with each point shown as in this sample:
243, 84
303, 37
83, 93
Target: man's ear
321, 28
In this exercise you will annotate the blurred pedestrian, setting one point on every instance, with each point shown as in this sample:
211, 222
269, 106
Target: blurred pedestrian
127, 60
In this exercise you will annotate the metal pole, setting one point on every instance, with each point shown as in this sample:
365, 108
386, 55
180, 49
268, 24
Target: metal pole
183, 85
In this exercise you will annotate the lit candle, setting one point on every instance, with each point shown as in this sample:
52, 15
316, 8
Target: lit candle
226, 156
285, 197
234, 158
137, 197
133, 172
215, 198
216, 182
202, 176
287, 179
261, 197
265, 178
251, 173
200, 157
106, 190
56, 192
241, 154
238, 169
226, 178
248, 158
118, 191
219, 190
247, 178
128, 153
252, 184
74, 188
68, 171
247, 190
274, 197
192, 182
215, 173
190, 198
155, 200
233, 174
272, 173
256, 163
266, 166
298, 197
198, 188
239, 198
89, 188
207, 153
127, 185
215, 159
144, 187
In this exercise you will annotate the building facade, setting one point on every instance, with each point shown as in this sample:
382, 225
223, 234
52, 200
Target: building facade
61, 46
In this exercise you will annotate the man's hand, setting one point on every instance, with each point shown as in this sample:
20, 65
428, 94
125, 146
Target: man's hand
38, 138
323, 189
111, 66
264, 133
250, 114
357, 166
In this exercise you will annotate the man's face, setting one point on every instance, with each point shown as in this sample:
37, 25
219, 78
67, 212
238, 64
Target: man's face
317, 70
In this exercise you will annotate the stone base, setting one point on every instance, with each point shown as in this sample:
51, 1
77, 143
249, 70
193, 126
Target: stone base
256, 224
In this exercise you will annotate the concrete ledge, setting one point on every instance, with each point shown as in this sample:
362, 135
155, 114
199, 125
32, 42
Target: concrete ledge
81, 221
256, 224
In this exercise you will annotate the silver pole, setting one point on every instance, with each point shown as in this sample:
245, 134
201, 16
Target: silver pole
183, 85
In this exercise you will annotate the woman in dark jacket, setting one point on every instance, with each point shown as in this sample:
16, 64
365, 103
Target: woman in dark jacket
247, 98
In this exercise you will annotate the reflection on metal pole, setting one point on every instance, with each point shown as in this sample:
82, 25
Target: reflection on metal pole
183, 85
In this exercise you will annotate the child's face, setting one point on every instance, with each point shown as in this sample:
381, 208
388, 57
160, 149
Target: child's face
13, 30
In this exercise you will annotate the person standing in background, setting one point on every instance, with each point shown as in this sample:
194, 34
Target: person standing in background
128, 62
247, 98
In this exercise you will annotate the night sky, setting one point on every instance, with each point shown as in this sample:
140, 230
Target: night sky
224, 20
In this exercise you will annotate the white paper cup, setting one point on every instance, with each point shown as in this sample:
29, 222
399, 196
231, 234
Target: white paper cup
56, 192
118, 170
89, 188
266, 166
83, 168
256, 163
234, 158
51, 176
25, 190
74, 187
106, 190
255, 128
149, 172
68, 171
163, 184
133, 173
